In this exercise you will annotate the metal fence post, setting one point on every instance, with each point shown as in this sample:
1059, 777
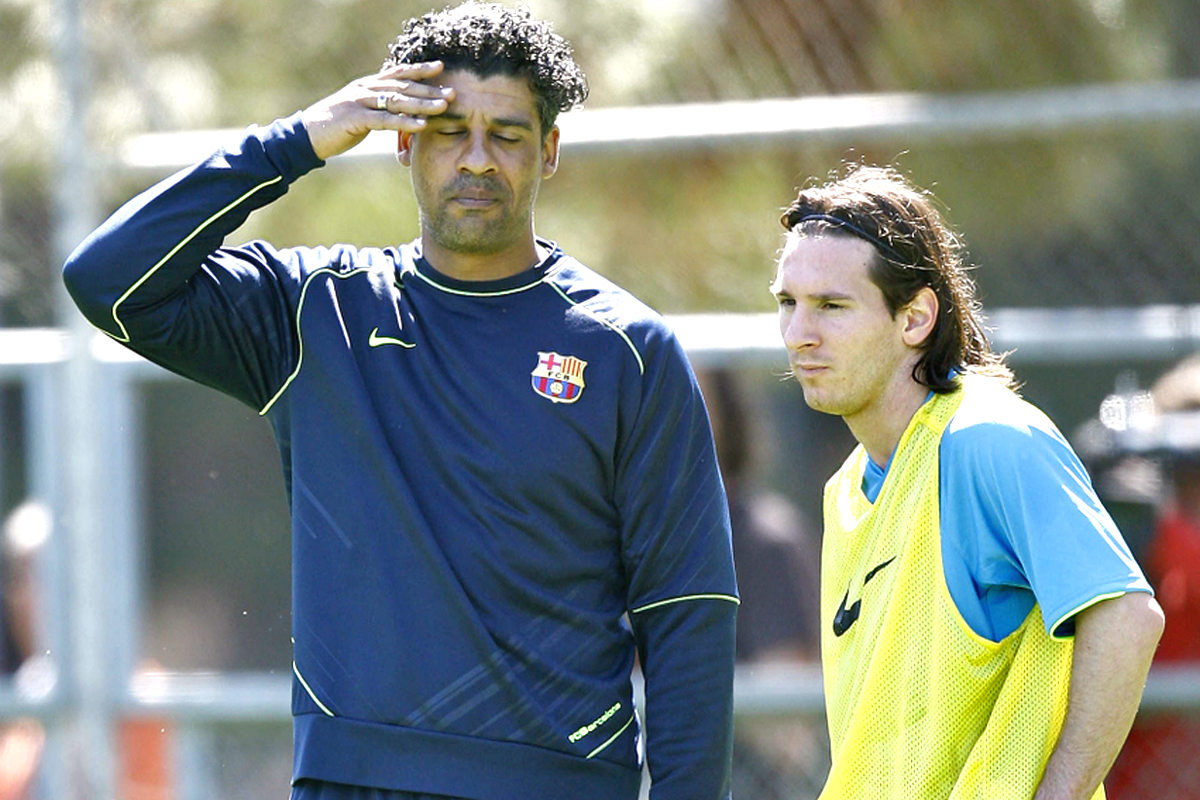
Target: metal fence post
89, 716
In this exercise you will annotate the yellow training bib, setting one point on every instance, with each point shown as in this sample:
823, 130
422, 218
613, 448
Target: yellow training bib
919, 706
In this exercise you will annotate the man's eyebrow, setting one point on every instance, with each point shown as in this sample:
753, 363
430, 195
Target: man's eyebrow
819, 297
499, 122
513, 122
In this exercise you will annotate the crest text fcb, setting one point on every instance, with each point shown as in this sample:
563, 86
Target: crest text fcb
558, 378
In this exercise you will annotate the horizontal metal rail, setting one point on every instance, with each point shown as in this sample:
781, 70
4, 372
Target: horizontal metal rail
857, 117
1032, 335
767, 690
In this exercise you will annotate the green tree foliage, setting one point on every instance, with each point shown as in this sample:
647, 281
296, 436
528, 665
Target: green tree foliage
687, 230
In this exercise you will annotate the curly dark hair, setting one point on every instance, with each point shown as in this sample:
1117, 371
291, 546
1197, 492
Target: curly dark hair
490, 39
914, 247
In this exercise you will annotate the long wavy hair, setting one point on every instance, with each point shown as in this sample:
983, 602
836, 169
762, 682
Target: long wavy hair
914, 248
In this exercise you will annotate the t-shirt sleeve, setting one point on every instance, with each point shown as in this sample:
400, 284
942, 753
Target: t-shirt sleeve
1028, 517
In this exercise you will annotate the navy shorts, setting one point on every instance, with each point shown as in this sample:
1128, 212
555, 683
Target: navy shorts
323, 790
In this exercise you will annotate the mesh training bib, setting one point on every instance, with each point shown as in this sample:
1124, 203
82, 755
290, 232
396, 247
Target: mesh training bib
919, 706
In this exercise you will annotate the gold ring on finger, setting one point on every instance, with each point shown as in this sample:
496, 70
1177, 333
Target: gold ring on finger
381, 101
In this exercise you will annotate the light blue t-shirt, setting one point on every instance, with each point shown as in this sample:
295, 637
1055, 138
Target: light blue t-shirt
1021, 522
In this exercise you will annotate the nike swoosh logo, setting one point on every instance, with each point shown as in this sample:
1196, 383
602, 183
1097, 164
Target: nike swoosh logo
876, 568
375, 340
846, 617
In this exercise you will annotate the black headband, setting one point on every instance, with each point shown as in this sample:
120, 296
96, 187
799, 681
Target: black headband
883, 247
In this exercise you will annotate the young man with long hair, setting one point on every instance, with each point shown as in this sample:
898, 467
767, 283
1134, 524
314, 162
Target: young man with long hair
985, 632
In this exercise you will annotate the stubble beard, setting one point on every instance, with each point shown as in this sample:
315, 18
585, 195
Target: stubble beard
830, 399
476, 233
474, 236
814, 400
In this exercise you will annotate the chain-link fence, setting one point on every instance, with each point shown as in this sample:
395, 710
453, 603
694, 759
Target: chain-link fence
1099, 212
1063, 137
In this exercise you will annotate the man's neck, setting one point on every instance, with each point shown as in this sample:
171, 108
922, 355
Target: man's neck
482, 266
879, 428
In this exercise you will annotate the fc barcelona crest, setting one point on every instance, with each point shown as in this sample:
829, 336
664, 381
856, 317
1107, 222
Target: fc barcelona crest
558, 378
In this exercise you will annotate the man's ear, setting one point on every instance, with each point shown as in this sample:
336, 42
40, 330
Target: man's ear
550, 153
920, 317
404, 148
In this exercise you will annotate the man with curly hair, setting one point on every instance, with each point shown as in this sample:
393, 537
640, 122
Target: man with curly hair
985, 632
501, 475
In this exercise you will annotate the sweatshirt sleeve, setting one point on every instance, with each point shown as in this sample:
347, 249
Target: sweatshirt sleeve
682, 590
156, 278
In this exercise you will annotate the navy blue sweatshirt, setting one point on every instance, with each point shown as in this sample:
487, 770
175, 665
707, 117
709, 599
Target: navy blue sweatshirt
500, 491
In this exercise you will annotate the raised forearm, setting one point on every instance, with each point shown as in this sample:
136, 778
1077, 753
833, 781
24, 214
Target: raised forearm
147, 251
1114, 644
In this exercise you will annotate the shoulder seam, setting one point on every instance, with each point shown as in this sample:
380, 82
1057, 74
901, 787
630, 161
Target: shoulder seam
299, 336
605, 322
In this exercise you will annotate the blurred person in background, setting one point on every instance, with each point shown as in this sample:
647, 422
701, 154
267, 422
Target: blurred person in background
25, 532
501, 475
985, 631
143, 744
1159, 759
776, 558
774, 552
1174, 553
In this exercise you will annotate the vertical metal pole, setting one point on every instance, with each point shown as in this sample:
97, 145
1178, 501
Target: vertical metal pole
45, 442
90, 716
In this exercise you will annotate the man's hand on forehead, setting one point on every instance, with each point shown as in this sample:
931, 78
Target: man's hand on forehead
406, 90
398, 98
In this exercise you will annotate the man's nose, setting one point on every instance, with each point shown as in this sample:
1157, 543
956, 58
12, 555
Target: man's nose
798, 329
477, 157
